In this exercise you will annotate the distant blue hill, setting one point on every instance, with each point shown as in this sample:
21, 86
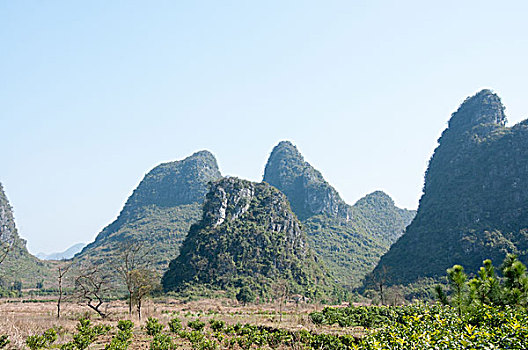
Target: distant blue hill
67, 254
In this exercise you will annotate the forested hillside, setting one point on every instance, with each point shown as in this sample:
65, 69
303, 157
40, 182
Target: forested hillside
475, 200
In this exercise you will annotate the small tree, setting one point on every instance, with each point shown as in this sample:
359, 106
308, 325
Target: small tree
133, 256
143, 283
245, 295
457, 279
515, 281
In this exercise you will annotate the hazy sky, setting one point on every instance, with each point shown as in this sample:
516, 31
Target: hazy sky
94, 94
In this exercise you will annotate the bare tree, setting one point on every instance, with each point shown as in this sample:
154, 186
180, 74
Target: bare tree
62, 271
132, 256
92, 287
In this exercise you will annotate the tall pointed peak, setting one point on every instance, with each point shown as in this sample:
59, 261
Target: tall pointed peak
485, 107
305, 187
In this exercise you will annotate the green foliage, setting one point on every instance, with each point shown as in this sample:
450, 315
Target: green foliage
475, 194
197, 325
487, 288
86, 334
125, 325
122, 339
153, 326
42, 341
216, 325
245, 295
175, 325
364, 316
4, 340
241, 249
162, 342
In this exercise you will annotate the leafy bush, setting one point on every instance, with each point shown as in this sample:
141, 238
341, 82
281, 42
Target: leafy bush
216, 325
162, 342
121, 340
153, 326
317, 317
125, 325
197, 325
4, 340
42, 341
85, 335
175, 325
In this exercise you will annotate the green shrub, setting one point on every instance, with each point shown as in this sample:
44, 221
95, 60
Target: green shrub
162, 342
4, 340
175, 325
124, 325
216, 325
153, 326
121, 340
42, 341
197, 325
85, 335
317, 317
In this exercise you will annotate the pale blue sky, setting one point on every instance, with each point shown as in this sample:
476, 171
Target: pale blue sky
94, 94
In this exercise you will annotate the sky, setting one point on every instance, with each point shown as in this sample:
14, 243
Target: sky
94, 94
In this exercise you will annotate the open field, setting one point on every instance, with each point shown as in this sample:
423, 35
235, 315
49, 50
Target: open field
20, 318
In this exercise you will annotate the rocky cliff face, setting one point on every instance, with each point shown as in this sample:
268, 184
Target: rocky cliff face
160, 211
16, 263
474, 204
248, 235
348, 239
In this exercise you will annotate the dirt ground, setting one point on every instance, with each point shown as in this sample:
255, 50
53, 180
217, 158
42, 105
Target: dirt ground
20, 318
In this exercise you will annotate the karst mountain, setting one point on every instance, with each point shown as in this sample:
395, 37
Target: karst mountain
159, 212
475, 200
349, 239
248, 236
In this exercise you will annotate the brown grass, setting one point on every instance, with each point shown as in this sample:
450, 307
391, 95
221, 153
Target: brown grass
19, 319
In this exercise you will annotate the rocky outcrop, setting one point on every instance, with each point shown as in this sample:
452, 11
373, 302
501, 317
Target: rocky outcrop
248, 235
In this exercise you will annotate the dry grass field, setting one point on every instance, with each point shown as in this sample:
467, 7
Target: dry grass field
20, 318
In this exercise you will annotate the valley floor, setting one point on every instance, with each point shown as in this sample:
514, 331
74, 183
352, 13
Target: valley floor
23, 317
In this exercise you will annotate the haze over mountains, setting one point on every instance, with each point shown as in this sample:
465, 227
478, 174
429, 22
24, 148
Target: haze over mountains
66, 254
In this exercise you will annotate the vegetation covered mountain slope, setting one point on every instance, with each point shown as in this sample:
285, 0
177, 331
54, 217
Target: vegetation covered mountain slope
248, 236
159, 212
349, 239
475, 200
17, 264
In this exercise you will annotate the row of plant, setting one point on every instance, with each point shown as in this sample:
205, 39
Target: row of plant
239, 336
